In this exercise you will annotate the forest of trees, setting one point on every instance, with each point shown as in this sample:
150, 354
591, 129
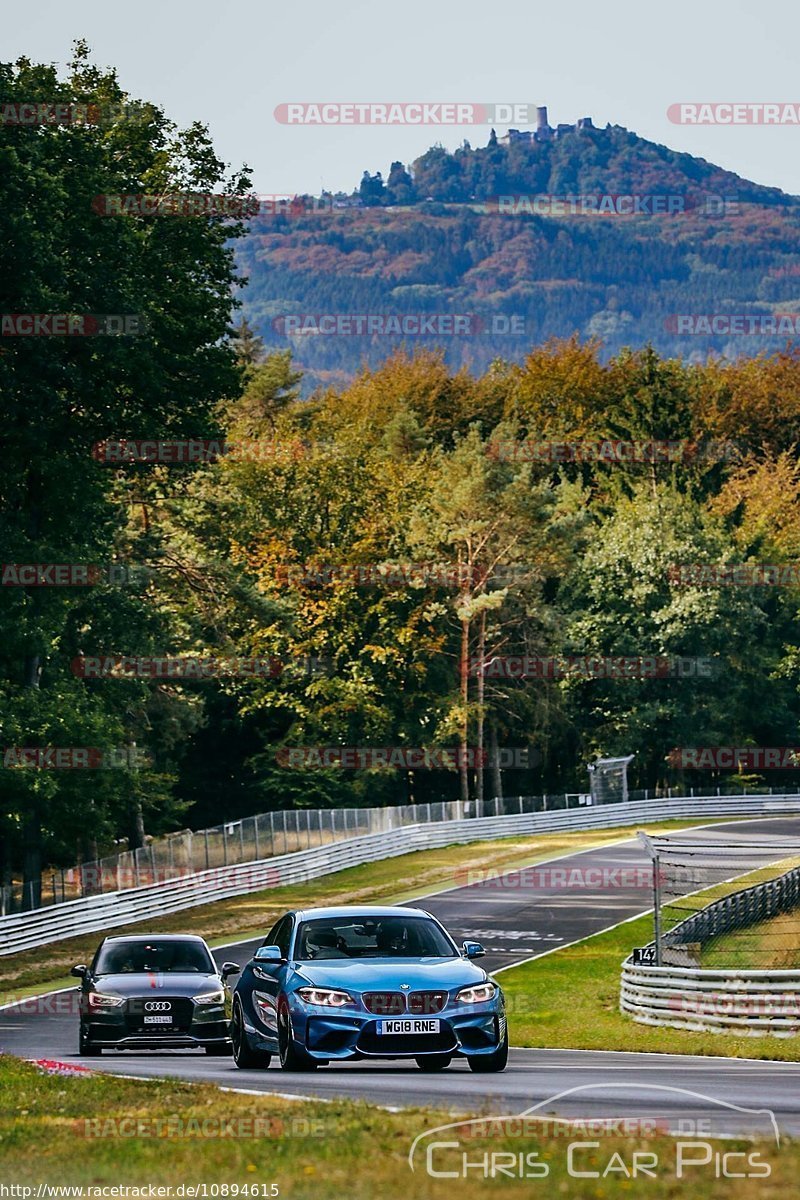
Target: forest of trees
253, 555
427, 241
582, 161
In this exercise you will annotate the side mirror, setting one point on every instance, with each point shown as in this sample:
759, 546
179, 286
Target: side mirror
79, 970
268, 954
473, 950
229, 969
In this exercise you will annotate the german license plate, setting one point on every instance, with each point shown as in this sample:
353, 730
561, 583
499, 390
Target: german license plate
407, 1025
161, 1019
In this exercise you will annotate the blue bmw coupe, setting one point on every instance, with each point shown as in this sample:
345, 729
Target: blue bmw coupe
331, 984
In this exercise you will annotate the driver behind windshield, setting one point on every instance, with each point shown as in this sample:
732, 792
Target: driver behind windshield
392, 937
158, 957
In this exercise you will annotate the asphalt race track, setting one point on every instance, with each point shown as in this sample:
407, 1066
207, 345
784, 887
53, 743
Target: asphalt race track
518, 916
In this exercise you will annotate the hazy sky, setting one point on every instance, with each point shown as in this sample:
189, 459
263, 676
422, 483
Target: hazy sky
623, 62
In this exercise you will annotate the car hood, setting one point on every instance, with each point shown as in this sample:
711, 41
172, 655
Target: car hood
169, 983
387, 974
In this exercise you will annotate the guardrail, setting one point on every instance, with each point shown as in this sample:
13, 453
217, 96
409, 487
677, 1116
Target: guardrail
750, 1003
266, 835
41, 927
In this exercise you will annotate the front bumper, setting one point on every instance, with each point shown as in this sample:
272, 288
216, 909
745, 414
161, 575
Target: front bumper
165, 1041
192, 1025
348, 1035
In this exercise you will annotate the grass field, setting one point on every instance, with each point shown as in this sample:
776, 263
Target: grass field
389, 881
771, 945
99, 1131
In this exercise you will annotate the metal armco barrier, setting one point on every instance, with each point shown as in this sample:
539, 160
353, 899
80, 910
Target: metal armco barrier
750, 1003
27, 930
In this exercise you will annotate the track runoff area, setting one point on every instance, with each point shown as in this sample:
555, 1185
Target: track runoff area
519, 915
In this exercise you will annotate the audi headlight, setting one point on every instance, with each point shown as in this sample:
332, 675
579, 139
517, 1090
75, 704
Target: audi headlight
477, 994
215, 997
325, 997
105, 1000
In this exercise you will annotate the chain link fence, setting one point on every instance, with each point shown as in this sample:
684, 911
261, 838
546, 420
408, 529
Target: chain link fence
269, 834
727, 901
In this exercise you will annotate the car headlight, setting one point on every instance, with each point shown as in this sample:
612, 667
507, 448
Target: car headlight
479, 993
105, 1000
215, 997
326, 997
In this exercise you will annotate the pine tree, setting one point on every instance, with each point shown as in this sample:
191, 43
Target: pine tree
248, 346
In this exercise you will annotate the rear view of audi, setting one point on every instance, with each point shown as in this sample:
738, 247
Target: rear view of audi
151, 993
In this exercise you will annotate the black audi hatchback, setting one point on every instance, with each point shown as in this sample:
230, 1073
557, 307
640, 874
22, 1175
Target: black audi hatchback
151, 993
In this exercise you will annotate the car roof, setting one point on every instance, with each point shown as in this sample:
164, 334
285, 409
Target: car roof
153, 937
359, 910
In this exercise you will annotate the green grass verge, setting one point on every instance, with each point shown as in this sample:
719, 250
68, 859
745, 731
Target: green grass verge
771, 945
103, 1131
390, 881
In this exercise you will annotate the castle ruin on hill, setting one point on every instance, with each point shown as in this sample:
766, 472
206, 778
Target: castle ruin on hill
544, 132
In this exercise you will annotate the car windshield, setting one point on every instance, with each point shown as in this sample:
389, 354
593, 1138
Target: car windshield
372, 937
120, 958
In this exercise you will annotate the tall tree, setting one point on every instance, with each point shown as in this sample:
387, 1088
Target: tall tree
172, 276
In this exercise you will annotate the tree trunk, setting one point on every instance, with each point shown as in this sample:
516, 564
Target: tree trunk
136, 840
31, 857
497, 775
31, 678
464, 680
6, 874
31, 819
479, 737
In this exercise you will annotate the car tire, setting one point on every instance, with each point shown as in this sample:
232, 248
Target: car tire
243, 1055
292, 1056
86, 1047
434, 1062
218, 1049
483, 1063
